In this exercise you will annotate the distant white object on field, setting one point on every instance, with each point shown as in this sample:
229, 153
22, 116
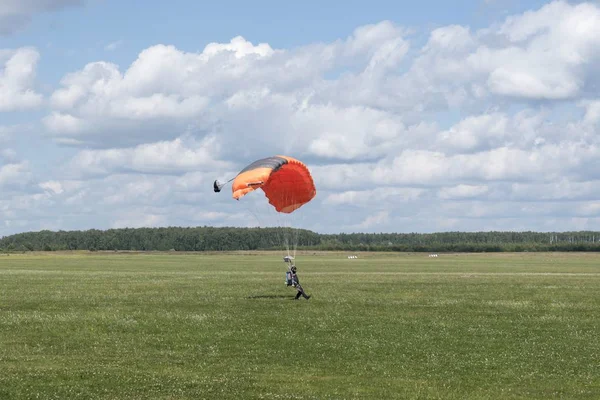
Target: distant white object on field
352, 256
433, 255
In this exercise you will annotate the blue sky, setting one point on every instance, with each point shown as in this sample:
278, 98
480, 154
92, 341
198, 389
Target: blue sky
471, 115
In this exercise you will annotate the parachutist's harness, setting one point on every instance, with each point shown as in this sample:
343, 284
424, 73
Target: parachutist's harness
288, 278
289, 281
292, 280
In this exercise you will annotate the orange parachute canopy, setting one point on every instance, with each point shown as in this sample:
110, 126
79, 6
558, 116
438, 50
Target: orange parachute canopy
287, 183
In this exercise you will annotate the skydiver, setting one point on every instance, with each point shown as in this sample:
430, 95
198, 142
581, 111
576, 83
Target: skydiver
296, 284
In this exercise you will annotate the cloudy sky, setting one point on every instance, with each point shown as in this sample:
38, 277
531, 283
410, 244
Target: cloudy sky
475, 115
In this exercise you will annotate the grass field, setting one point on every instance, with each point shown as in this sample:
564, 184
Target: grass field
383, 326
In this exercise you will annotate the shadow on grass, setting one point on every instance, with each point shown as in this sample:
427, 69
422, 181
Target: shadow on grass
270, 296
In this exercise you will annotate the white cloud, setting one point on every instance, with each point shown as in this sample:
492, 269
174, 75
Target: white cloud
557, 46
239, 47
475, 133
17, 78
379, 219
167, 92
563, 189
450, 39
120, 200
495, 128
349, 133
592, 112
192, 181
421, 167
590, 209
64, 124
142, 187
176, 156
538, 55
8, 155
360, 198
15, 175
112, 46
463, 191
139, 219
53, 187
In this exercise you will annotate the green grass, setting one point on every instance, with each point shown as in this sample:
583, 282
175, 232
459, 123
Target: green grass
383, 326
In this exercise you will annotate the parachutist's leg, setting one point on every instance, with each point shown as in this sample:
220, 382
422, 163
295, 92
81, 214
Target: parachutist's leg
298, 295
301, 293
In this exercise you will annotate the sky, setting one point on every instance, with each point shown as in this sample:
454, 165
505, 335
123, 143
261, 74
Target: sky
474, 115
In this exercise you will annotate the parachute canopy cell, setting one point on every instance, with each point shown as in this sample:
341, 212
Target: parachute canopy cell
287, 182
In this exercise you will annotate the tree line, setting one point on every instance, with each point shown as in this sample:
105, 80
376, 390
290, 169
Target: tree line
208, 238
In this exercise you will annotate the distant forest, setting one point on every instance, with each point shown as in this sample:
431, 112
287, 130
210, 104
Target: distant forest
230, 238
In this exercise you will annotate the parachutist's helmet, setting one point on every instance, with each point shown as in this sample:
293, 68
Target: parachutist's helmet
293, 268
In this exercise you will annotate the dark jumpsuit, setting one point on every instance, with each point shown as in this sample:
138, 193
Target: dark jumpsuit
296, 284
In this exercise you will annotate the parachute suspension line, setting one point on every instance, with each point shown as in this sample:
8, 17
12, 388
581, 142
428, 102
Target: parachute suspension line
281, 229
263, 215
251, 211
291, 230
284, 228
294, 230
283, 225
267, 217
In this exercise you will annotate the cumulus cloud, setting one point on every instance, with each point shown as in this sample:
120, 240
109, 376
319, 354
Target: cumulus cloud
384, 195
284, 99
52, 187
174, 156
379, 219
17, 79
14, 176
120, 200
139, 219
559, 190
545, 54
432, 168
495, 128
234, 86
8, 155
592, 112
463, 191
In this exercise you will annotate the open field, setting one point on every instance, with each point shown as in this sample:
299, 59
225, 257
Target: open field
217, 326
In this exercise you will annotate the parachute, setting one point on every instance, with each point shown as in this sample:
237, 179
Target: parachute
286, 182
287, 185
